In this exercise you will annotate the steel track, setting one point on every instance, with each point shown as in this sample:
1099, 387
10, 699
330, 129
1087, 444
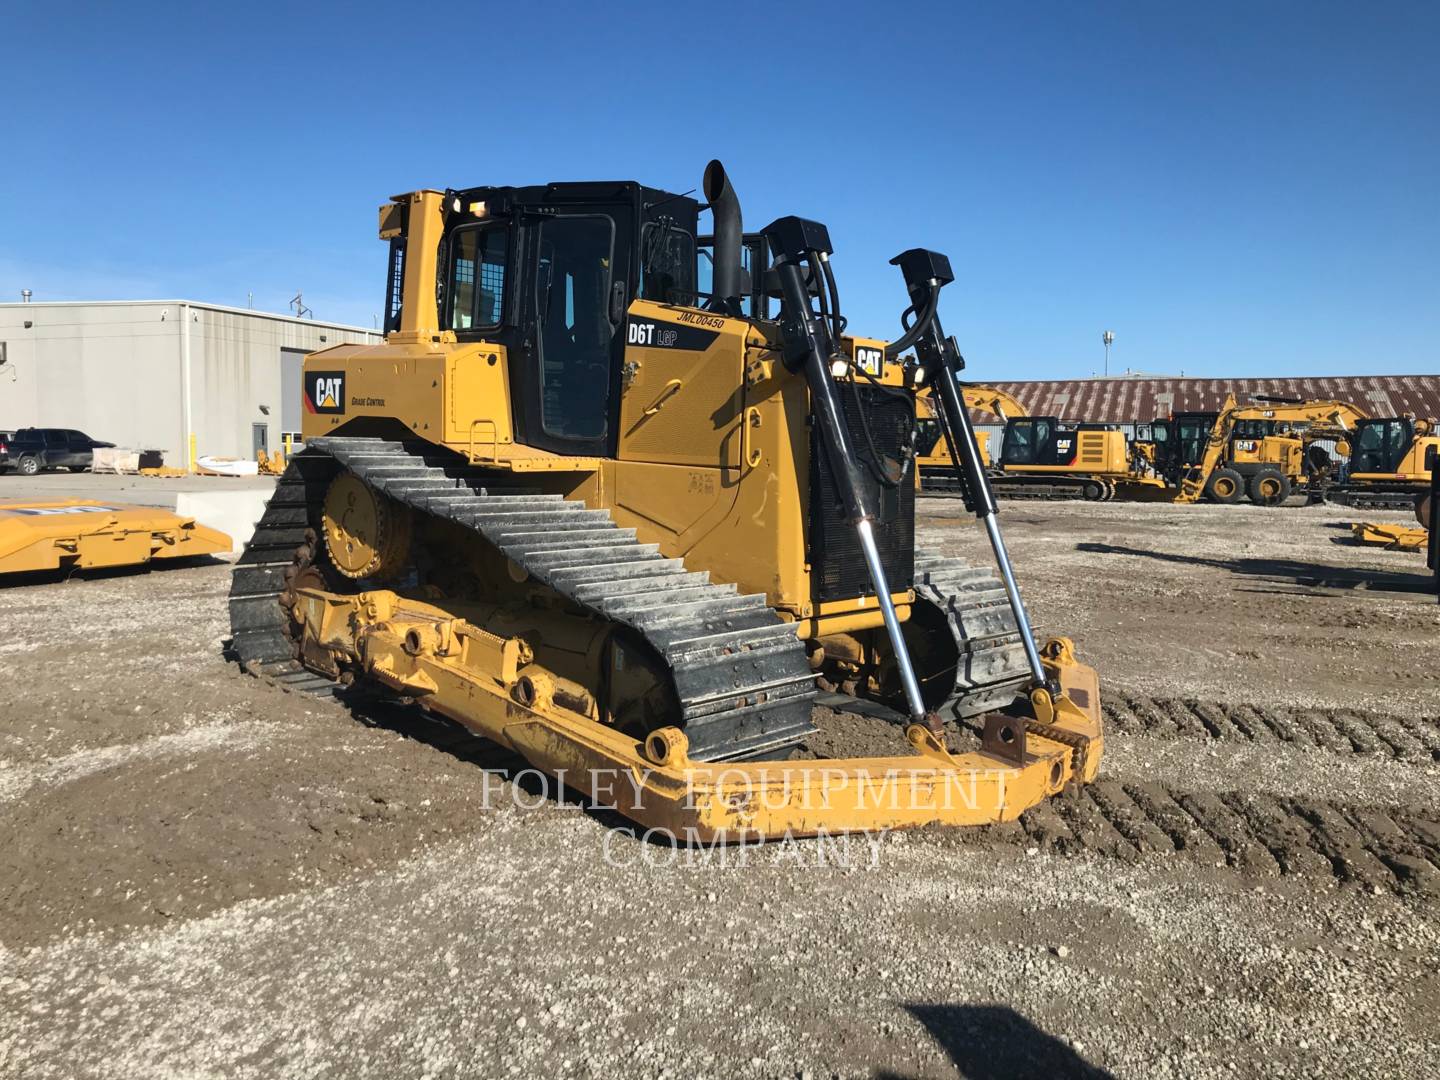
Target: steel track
741, 676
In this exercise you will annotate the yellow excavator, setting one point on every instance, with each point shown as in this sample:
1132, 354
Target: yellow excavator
1388, 463
1268, 463
622, 528
1401, 537
1045, 457
932, 453
1040, 456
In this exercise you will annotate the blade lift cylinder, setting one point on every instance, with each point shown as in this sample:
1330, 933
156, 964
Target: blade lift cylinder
799, 245
926, 273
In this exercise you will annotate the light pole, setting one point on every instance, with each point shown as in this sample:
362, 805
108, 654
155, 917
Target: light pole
1107, 338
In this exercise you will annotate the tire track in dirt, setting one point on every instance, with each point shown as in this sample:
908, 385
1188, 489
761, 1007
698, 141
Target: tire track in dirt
1339, 731
1386, 847
1390, 847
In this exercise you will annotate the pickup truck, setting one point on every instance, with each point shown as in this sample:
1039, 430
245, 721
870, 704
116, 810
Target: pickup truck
31, 450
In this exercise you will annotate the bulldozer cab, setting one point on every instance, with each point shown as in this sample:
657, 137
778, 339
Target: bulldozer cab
549, 273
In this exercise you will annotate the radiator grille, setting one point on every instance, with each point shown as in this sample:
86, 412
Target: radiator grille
837, 565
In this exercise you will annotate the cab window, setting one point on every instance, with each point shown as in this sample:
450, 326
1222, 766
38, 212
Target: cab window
754, 304
667, 264
1023, 441
477, 277
927, 435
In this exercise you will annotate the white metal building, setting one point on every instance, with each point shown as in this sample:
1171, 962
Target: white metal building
146, 374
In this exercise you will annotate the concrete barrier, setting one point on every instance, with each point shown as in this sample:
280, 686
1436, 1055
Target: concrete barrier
233, 512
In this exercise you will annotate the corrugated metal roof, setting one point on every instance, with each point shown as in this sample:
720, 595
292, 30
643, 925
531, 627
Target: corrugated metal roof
1132, 400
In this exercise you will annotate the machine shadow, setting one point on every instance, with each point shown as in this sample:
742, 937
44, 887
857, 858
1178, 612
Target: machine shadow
994, 1042
1310, 575
102, 573
448, 737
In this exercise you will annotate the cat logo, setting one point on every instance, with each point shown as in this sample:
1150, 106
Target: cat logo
325, 391
869, 359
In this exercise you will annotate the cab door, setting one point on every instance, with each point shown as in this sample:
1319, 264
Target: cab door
1379, 445
577, 303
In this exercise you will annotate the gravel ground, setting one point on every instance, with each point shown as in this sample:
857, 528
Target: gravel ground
205, 877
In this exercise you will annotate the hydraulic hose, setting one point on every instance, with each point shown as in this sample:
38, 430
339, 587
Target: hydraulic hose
922, 324
836, 322
797, 244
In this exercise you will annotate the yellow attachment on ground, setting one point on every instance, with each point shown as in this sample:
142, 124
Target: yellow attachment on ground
1394, 537
82, 534
489, 683
272, 464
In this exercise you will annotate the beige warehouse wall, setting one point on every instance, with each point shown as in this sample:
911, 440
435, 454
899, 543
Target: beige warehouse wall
236, 369
112, 371
115, 371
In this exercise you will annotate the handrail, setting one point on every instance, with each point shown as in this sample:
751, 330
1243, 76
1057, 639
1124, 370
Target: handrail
494, 442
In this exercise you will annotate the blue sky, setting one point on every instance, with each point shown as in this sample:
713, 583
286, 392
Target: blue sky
1234, 189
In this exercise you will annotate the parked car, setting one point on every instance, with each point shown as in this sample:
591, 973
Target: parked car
31, 450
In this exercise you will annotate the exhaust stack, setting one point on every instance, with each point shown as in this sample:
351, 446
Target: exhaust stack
729, 232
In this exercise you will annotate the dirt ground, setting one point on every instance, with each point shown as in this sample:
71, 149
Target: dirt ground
202, 876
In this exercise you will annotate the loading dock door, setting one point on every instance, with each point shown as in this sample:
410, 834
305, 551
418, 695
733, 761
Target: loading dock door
259, 439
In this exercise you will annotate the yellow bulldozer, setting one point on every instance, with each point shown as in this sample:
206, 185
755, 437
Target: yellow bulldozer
619, 527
